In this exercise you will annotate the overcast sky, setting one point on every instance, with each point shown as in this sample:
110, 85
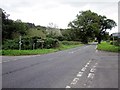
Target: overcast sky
60, 12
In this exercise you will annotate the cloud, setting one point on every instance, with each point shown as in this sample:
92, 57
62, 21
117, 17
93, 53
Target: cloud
60, 12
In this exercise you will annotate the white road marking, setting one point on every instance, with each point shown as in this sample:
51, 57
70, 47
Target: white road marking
96, 64
92, 70
96, 51
91, 75
86, 65
79, 74
96, 47
83, 69
68, 87
0, 62
89, 62
74, 80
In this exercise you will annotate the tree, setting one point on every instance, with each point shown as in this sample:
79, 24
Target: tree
89, 25
104, 24
10, 27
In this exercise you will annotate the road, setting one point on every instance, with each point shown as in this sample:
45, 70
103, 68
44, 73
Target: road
81, 67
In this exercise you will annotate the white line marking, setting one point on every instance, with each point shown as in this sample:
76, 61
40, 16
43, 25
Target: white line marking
74, 80
89, 61
96, 64
68, 87
96, 47
79, 74
91, 75
86, 65
0, 62
83, 69
96, 51
92, 70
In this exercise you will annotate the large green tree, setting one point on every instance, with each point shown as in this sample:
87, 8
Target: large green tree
89, 25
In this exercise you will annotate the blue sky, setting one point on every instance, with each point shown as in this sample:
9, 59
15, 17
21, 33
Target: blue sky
60, 12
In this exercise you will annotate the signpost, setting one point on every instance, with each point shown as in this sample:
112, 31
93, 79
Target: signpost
20, 43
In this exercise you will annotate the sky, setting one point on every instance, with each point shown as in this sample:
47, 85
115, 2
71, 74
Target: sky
59, 12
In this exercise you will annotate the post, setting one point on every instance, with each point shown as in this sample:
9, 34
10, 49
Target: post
113, 40
20, 43
33, 46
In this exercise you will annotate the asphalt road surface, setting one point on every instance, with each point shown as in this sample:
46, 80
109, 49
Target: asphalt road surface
81, 67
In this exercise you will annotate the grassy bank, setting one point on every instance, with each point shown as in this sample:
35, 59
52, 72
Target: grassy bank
108, 47
37, 51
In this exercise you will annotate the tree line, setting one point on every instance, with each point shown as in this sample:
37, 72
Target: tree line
87, 26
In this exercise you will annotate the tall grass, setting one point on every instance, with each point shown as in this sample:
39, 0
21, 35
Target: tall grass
106, 46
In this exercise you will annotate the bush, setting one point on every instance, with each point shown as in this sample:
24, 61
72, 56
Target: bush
11, 44
70, 43
116, 43
51, 43
29, 43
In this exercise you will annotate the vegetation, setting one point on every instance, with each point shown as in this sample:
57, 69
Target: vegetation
32, 39
106, 46
89, 25
39, 51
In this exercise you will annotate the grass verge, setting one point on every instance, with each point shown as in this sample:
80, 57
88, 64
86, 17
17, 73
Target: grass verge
108, 47
37, 51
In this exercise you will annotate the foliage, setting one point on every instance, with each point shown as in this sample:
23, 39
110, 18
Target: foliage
9, 27
90, 25
108, 47
51, 43
69, 34
33, 32
37, 51
70, 43
10, 44
116, 43
31, 43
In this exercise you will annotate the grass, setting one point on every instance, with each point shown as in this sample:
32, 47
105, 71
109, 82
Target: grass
105, 46
37, 51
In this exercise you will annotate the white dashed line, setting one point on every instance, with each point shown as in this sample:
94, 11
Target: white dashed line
89, 62
68, 87
83, 69
86, 65
92, 70
74, 80
91, 75
79, 74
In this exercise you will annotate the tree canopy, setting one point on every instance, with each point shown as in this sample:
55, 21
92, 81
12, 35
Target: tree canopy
10, 27
89, 25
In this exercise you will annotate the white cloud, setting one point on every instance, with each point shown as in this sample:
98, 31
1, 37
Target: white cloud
60, 12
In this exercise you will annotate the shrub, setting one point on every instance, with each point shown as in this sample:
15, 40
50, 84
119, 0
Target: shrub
11, 44
29, 43
116, 43
70, 43
51, 43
